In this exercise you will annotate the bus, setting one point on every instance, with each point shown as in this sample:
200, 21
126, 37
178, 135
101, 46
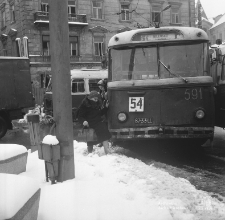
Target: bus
160, 86
218, 74
83, 81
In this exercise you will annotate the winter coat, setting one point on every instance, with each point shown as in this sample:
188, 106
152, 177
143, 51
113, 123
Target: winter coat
92, 113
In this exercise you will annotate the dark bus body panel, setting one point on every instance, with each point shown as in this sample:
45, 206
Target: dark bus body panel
169, 112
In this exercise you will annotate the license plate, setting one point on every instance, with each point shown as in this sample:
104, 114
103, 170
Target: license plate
136, 104
143, 120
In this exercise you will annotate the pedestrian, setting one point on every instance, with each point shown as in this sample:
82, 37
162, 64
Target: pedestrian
102, 85
89, 115
104, 61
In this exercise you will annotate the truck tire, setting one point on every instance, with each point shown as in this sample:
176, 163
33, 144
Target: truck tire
3, 127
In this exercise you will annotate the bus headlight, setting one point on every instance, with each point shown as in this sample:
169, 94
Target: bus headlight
122, 117
199, 114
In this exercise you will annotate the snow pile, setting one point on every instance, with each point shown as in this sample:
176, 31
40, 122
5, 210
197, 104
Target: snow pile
50, 139
117, 187
15, 191
10, 150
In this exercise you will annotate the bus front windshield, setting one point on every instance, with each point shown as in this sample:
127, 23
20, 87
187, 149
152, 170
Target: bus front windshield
159, 61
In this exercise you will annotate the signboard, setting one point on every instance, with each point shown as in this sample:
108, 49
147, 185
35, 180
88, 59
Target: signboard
157, 36
136, 104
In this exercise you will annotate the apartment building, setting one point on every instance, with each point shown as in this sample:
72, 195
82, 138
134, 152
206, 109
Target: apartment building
25, 27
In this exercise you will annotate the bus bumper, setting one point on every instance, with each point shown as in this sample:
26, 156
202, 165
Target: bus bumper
158, 132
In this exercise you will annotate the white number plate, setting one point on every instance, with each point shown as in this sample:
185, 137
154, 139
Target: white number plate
136, 104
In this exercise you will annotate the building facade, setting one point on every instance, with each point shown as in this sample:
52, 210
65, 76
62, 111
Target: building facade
217, 31
25, 27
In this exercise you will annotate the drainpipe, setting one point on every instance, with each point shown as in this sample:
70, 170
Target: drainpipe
189, 7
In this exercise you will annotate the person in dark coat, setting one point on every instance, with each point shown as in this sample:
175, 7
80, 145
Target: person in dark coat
89, 115
102, 84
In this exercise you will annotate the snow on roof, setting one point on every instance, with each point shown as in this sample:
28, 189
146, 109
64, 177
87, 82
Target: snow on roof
15, 191
221, 21
11, 150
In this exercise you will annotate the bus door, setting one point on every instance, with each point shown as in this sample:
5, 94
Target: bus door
220, 97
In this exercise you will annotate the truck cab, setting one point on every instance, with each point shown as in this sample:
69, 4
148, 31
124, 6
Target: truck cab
15, 90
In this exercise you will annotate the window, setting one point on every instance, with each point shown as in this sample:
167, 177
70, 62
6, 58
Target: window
97, 10
98, 45
73, 46
156, 14
175, 18
46, 45
72, 8
44, 6
14, 49
125, 12
4, 50
186, 60
93, 84
12, 13
3, 18
77, 85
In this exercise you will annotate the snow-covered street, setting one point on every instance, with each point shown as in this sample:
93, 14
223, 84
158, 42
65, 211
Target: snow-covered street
122, 188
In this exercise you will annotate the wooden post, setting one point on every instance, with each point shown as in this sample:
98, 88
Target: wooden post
61, 85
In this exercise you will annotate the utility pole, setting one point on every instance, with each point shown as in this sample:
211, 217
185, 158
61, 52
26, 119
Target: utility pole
61, 86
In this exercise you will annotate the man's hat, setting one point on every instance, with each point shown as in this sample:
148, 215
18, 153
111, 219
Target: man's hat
93, 94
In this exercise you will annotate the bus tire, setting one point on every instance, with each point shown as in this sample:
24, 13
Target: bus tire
3, 127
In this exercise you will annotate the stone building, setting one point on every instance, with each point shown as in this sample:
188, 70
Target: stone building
217, 31
25, 27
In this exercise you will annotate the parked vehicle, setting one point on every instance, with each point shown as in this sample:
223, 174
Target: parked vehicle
218, 73
160, 86
83, 81
15, 90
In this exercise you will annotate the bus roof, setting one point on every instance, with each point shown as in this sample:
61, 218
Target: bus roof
89, 73
162, 34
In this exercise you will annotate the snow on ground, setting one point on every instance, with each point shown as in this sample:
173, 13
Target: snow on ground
109, 187
10, 150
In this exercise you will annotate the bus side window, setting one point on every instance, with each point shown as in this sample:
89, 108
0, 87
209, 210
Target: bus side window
93, 84
77, 85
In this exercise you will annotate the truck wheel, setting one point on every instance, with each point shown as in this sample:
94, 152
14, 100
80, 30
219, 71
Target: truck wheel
3, 127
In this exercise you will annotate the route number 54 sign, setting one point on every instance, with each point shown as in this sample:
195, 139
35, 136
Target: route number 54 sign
136, 104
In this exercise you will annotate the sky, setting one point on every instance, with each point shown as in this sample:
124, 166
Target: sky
213, 7
109, 187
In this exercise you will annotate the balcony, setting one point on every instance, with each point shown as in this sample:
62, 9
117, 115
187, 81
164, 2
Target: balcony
82, 59
41, 18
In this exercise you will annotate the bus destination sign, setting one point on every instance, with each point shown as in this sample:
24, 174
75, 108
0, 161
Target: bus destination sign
157, 36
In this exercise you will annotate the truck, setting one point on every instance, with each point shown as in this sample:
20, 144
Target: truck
15, 90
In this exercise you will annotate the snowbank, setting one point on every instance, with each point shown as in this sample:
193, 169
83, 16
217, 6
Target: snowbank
15, 191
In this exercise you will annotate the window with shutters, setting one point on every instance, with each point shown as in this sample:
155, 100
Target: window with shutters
72, 8
44, 6
3, 19
98, 45
74, 46
125, 12
46, 45
175, 15
156, 15
97, 10
12, 13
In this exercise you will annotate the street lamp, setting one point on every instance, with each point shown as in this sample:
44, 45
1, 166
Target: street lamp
156, 22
